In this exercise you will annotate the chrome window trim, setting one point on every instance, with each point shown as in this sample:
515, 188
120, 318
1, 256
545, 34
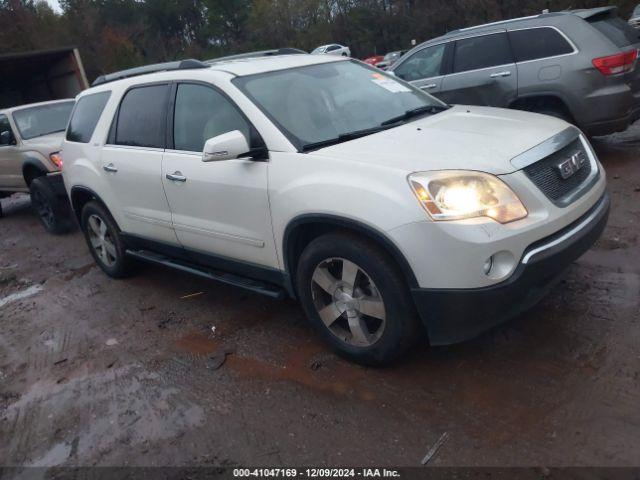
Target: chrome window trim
132, 147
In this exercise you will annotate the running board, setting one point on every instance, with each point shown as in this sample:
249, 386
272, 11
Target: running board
256, 286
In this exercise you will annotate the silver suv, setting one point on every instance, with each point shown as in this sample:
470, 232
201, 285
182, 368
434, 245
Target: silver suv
579, 66
30, 161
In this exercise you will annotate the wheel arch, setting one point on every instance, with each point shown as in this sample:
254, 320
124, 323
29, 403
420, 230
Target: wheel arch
32, 168
541, 99
80, 196
303, 229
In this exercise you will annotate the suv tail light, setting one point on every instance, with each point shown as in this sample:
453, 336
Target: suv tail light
56, 159
615, 64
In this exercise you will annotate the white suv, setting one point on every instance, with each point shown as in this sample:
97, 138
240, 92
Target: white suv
384, 211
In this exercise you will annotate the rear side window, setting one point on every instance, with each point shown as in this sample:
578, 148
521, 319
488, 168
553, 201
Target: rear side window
482, 52
615, 29
535, 43
85, 117
142, 117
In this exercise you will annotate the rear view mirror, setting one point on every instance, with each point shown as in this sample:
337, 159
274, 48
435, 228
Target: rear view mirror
227, 146
6, 138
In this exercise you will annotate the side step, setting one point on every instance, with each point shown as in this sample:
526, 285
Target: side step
256, 286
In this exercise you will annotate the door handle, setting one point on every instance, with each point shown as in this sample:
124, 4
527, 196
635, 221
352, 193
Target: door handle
176, 177
429, 87
501, 74
110, 168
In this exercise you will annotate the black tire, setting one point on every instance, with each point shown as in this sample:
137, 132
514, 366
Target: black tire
402, 327
556, 112
54, 214
116, 264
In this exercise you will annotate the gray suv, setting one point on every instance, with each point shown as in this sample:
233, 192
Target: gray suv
578, 65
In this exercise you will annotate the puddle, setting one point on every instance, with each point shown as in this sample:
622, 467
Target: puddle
32, 290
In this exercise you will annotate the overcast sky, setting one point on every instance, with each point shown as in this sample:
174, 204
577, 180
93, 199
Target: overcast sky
55, 5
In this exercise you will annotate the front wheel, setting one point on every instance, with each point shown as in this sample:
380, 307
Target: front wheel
354, 294
53, 214
104, 241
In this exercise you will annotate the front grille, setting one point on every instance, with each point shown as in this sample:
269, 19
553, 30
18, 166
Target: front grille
546, 173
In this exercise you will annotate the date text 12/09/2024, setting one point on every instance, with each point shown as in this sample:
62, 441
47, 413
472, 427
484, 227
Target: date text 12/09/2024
316, 473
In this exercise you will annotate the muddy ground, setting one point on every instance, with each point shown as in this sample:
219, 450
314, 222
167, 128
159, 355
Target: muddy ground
101, 372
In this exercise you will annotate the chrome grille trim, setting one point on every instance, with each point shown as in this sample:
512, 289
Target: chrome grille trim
546, 148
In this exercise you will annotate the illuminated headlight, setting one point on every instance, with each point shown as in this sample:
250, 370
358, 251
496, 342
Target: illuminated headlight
458, 194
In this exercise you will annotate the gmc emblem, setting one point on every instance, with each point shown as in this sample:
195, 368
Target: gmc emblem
569, 167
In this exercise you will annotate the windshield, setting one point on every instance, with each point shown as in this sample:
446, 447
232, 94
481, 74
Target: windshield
319, 50
319, 103
38, 121
636, 12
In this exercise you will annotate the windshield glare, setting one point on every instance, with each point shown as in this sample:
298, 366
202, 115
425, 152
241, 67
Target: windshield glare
37, 121
321, 102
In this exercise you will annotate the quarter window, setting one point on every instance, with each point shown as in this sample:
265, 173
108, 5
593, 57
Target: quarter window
202, 113
142, 117
482, 52
85, 117
423, 64
535, 43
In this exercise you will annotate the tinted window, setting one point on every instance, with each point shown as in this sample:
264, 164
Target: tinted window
85, 117
423, 64
5, 126
333, 48
142, 117
482, 52
202, 113
538, 43
616, 30
38, 121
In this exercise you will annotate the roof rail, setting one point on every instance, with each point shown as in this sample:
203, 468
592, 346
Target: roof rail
261, 53
188, 64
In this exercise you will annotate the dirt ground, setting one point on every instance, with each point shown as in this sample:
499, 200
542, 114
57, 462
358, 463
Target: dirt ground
95, 371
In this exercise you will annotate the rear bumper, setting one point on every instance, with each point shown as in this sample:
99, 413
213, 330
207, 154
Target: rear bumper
455, 315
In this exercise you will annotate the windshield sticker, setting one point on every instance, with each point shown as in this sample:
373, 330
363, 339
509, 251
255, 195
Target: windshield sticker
389, 84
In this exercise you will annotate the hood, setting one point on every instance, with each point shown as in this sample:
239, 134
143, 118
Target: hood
467, 138
49, 143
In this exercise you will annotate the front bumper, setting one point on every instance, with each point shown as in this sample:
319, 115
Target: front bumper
455, 315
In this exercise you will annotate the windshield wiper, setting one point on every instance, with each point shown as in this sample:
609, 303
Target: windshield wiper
416, 112
345, 137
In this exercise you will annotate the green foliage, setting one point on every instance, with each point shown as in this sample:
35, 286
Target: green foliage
117, 34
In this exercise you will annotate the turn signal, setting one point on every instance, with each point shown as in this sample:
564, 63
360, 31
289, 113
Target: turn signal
56, 159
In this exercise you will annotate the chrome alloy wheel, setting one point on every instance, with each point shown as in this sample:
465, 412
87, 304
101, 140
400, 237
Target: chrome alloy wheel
101, 241
348, 302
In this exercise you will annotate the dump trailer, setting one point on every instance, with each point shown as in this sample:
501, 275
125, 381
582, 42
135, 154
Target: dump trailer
29, 77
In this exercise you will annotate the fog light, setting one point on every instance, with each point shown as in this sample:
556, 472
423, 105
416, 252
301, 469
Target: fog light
488, 265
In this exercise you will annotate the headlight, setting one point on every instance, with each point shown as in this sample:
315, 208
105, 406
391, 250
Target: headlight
458, 194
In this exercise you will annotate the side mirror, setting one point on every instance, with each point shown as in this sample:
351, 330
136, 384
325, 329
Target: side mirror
227, 146
6, 138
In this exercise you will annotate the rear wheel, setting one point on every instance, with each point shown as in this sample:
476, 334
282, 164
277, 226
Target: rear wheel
53, 214
358, 300
104, 241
